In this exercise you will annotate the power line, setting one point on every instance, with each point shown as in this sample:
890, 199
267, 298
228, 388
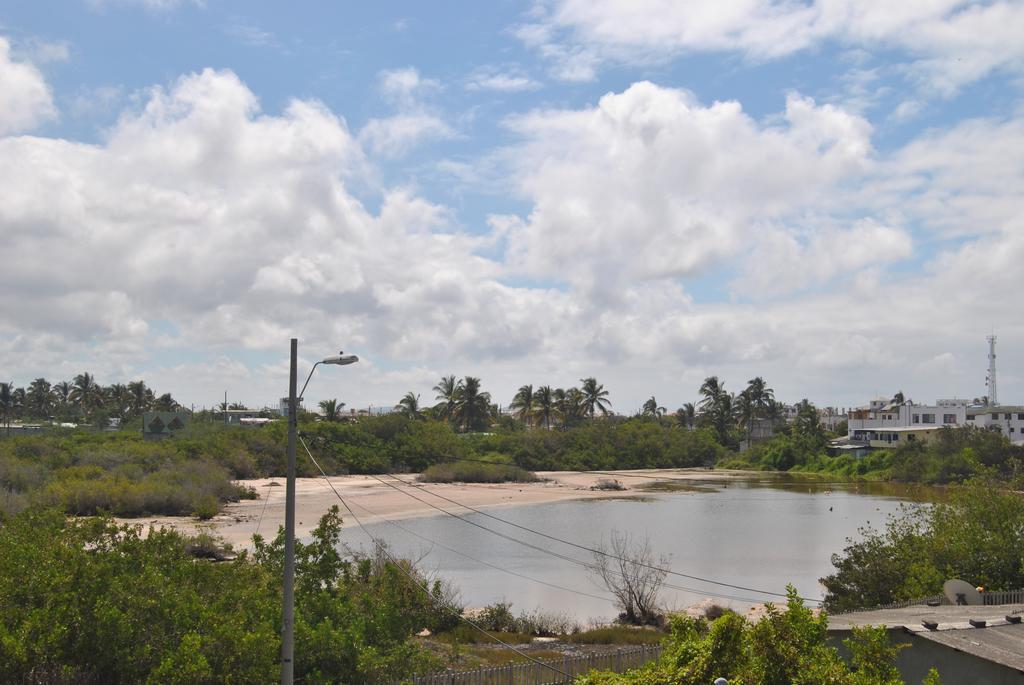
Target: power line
593, 550
479, 561
544, 550
573, 544
430, 597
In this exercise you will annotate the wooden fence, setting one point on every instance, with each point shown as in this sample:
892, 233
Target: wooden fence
534, 674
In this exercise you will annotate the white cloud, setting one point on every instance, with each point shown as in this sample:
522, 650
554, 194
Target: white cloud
509, 79
237, 228
27, 100
949, 42
406, 87
251, 35
652, 184
394, 136
415, 122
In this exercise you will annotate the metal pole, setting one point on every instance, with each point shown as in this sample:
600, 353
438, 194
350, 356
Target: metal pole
288, 615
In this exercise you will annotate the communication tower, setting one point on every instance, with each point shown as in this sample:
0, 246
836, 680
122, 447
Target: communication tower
990, 380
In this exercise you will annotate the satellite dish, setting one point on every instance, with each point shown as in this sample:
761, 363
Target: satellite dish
960, 593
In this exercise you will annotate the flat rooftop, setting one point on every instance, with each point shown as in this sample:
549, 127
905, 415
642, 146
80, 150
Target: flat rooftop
998, 641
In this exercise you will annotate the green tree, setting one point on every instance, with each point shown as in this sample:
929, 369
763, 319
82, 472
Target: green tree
975, 535
166, 403
544, 405
651, 408
522, 404
40, 398
448, 391
785, 647
686, 415
595, 397
409, 405
86, 394
569, 406
141, 397
118, 399
331, 409
472, 409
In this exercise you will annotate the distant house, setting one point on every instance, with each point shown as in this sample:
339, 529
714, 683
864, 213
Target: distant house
887, 424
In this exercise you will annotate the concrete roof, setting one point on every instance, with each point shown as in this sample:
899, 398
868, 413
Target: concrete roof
913, 615
999, 641
998, 409
1003, 644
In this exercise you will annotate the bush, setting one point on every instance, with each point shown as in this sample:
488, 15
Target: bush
786, 646
91, 602
474, 472
618, 635
977, 535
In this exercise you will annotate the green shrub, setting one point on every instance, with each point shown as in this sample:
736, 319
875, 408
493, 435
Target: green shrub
473, 472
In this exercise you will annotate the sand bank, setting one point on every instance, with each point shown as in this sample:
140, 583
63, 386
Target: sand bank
374, 501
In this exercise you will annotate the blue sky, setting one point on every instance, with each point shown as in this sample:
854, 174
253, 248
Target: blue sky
825, 194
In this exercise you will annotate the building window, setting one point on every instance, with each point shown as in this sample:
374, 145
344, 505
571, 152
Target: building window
1020, 417
927, 418
1011, 429
970, 418
917, 418
949, 418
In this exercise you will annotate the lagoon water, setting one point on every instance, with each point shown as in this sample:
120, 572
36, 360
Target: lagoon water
756, 533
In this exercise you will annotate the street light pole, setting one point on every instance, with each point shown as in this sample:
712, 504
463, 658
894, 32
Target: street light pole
288, 613
288, 617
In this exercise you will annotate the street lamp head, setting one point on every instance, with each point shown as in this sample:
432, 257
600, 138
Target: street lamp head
340, 359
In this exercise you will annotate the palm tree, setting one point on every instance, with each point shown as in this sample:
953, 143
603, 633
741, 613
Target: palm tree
651, 408
711, 391
140, 397
522, 403
686, 415
448, 391
86, 393
62, 393
716, 407
119, 398
595, 397
410, 405
166, 403
775, 412
473, 406
570, 405
898, 397
808, 422
743, 410
39, 398
331, 409
760, 395
544, 405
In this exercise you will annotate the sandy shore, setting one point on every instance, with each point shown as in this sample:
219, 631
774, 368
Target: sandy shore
374, 501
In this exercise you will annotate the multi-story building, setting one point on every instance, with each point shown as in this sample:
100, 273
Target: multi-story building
1006, 419
889, 424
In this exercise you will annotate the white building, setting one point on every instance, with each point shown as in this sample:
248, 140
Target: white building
882, 415
1007, 420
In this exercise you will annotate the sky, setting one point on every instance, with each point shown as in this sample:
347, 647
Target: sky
825, 193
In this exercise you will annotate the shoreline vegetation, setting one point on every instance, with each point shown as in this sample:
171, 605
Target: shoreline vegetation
210, 484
